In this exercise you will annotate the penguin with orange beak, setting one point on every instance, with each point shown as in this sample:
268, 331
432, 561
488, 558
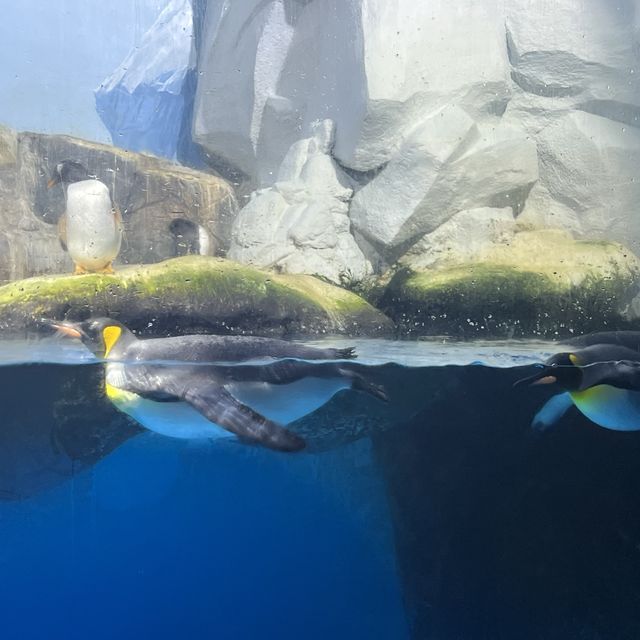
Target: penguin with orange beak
204, 386
602, 380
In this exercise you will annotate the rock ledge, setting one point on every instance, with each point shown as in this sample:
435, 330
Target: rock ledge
192, 294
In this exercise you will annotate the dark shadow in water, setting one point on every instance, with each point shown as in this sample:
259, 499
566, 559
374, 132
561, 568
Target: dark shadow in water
505, 533
55, 423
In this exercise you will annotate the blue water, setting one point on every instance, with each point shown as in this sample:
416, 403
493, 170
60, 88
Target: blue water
157, 537
166, 540
441, 515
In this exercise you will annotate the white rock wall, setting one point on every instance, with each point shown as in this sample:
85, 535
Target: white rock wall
432, 177
449, 106
272, 68
239, 67
301, 224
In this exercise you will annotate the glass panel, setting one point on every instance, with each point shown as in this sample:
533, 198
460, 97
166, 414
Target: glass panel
320, 319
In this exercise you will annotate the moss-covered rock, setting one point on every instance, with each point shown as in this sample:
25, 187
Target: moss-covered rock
194, 293
544, 283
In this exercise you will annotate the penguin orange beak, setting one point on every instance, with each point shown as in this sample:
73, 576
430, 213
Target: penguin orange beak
66, 329
542, 377
52, 183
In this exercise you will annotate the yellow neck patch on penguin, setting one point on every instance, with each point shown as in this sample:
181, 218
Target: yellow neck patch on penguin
110, 336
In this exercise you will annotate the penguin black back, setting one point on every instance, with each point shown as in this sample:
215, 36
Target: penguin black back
598, 364
627, 339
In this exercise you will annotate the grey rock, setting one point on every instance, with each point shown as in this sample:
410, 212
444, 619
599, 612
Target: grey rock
8, 146
582, 50
438, 108
390, 200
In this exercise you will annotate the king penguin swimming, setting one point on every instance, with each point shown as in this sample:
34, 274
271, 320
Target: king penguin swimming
601, 378
195, 386
90, 229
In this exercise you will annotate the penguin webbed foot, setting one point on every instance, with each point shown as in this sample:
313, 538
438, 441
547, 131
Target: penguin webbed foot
107, 269
349, 353
79, 270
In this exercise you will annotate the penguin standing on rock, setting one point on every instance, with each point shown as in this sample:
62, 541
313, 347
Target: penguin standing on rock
90, 229
205, 386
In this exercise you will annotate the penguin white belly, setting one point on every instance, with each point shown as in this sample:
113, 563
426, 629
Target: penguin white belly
286, 403
610, 407
280, 403
93, 235
173, 419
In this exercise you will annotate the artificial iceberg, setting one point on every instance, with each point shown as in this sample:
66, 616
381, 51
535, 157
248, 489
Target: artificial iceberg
146, 103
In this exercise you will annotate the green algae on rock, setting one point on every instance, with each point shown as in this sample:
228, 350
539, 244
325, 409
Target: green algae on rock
194, 293
543, 283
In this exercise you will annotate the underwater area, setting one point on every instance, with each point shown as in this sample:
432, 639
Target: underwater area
320, 319
441, 513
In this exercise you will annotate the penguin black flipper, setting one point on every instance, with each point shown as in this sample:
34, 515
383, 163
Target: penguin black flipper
200, 388
218, 405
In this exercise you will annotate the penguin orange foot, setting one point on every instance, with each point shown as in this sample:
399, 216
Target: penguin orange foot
107, 269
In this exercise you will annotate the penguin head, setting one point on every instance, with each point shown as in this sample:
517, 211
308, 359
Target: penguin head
562, 369
105, 337
66, 172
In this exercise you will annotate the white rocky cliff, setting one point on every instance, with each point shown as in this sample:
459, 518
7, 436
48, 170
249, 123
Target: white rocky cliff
438, 107
301, 224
